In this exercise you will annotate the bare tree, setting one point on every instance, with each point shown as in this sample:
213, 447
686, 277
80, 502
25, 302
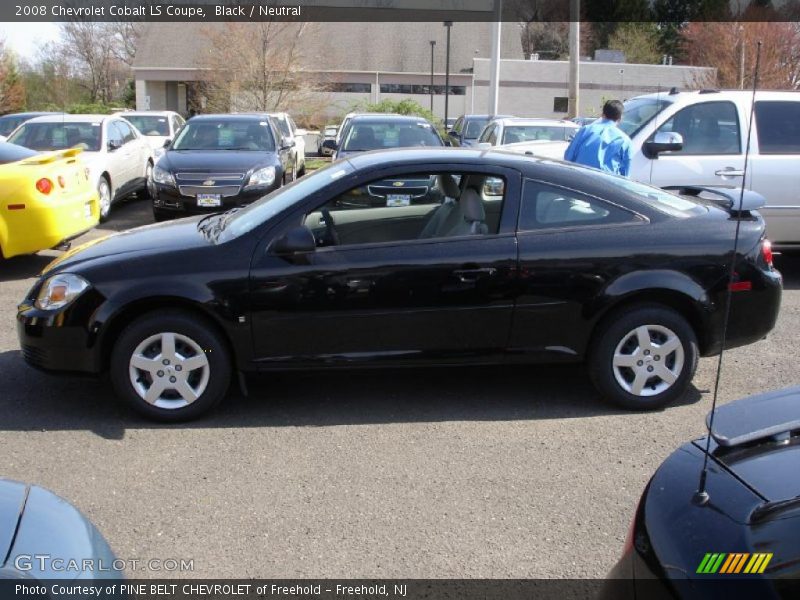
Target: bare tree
12, 90
258, 67
99, 52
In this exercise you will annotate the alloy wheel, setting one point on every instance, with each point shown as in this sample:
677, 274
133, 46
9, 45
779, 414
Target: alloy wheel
648, 360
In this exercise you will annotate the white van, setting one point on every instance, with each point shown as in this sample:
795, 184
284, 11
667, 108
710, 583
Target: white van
699, 138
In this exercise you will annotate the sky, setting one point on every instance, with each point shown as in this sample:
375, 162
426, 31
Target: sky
26, 38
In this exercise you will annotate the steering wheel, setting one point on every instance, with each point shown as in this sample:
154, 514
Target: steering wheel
331, 235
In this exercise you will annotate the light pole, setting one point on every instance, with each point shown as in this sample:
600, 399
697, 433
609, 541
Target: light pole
448, 25
433, 43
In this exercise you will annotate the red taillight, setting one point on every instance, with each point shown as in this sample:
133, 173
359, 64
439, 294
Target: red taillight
61, 182
766, 252
44, 185
741, 286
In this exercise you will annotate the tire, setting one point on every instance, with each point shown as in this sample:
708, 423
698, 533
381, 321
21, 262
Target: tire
104, 192
198, 365
148, 191
625, 363
160, 215
302, 171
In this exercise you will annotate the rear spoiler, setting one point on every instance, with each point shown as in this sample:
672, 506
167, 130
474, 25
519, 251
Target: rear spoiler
774, 414
48, 157
726, 197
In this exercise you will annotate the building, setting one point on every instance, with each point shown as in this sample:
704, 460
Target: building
355, 63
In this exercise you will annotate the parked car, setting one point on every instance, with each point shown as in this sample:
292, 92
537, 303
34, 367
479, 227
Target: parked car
9, 122
329, 133
119, 158
296, 139
581, 121
384, 131
537, 137
699, 137
551, 262
467, 129
45, 199
158, 127
44, 538
741, 540
218, 162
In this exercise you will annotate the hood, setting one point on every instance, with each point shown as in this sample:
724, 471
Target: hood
44, 524
162, 237
216, 161
156, 141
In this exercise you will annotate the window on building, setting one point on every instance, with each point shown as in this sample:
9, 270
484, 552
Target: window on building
407, 88
560, 104
351, 88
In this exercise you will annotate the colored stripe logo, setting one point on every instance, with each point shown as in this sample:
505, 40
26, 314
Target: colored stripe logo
734, 563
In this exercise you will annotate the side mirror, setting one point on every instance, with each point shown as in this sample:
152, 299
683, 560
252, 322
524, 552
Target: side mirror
287, 144
447, 142
297, 240
114, 145
329, 144
167, 142
663, 141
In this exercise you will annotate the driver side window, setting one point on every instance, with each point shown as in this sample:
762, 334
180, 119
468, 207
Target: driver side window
706, 128
427, 205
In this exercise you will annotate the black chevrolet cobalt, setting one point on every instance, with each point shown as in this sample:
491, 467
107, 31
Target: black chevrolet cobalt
218, 162
508, 259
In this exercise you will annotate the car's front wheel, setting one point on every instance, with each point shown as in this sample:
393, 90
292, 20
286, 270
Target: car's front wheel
170, 366
104, 193
643, 358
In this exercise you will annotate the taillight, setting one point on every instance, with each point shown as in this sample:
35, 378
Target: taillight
44, 185
766, 252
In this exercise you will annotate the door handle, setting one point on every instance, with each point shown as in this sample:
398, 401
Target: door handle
729, 172
465, 275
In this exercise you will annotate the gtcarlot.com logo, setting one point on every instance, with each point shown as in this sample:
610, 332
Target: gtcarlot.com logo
47, 562
733, 563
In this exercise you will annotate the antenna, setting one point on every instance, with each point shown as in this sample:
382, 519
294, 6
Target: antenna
701, 496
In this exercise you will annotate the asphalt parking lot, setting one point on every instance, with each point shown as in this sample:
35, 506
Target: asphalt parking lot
495, 472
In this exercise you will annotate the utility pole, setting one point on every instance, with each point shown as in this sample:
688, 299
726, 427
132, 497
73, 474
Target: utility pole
433, 43
494, 68
448, 25
573, 107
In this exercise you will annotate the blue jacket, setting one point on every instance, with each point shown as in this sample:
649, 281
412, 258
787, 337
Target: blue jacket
602, 145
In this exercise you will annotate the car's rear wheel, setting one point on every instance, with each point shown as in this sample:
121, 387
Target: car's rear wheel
149, 187
104, 193
170, 366
643, 358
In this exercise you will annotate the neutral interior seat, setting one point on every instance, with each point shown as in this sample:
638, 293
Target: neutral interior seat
445, 216
472, 215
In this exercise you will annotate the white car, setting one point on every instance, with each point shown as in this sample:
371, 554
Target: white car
158, 127
539, 137
294, 137
119, 158
699, 138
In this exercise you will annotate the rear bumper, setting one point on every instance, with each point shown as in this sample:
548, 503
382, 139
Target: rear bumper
40, 226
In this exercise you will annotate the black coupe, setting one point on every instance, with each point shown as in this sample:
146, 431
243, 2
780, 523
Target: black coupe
507, 259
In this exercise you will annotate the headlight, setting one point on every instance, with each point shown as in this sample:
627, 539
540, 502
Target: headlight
163, 176
60, 290
262, 177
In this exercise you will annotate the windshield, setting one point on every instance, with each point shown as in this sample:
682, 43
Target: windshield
9, 123
59, 136
262, 210
639, 112
376, 135
208, 134
149, 124
529, 133
474, 128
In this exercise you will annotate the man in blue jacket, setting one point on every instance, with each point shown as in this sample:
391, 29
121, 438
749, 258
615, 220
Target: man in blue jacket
602, 144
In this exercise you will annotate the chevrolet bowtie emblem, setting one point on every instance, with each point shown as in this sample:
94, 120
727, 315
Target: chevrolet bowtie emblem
398, 184
209, 182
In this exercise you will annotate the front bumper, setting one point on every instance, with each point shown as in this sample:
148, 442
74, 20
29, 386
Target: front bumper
61, 340
169, 199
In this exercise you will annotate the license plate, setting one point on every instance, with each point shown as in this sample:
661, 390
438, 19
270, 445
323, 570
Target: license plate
206, 200
87, 210
398, 200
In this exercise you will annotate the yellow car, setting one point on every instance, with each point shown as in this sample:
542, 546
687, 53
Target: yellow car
45, 199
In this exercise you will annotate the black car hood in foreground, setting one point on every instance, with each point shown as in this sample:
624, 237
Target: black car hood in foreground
179, 235
35, 522
753, 504
207, 161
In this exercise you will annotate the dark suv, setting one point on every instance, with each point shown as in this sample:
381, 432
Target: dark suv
468, 128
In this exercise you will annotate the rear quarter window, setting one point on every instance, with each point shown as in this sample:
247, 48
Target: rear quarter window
778, 127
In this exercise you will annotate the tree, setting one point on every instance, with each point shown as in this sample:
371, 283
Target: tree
258, 67
672, 17
12, 90
639, 42
721, 44
100, 52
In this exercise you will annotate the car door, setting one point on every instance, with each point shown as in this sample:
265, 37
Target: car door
713, 148
118, 163
137, 151
444, 298
570, 246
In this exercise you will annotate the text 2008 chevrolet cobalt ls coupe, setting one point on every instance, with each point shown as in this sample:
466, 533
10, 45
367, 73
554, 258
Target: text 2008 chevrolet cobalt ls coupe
507, 258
